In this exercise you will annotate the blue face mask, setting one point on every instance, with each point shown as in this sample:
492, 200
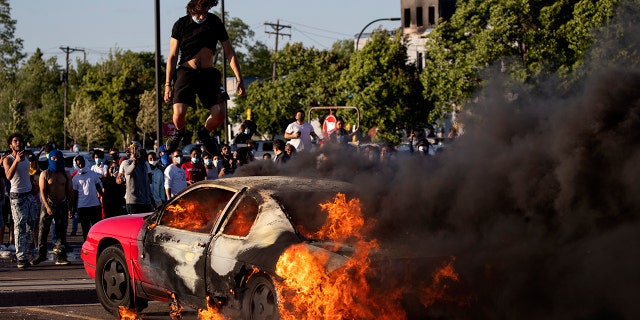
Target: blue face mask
247, 131
98, 161
195, 160
57, 165
198, 21
208, 162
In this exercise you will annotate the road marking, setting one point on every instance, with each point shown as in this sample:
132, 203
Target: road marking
66, 315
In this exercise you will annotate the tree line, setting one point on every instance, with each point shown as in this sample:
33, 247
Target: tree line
113, 101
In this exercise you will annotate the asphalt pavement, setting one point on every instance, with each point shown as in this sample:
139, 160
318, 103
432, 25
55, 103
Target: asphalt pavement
46, 283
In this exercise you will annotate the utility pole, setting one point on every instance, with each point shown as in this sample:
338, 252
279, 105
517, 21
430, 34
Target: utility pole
159, 79
277, 27
65, 78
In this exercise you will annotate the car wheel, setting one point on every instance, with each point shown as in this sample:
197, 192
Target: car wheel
260, 300
113, 283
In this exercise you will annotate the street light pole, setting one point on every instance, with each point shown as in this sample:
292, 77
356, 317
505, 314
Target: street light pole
370, 23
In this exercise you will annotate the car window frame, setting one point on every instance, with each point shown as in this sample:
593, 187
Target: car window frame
216, 224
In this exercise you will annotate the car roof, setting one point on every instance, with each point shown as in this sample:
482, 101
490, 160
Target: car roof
281, 183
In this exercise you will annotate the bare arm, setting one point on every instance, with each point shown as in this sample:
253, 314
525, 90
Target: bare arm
235, 66
10, 166
42, 183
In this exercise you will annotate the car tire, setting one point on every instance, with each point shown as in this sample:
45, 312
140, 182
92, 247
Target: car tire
113, 282
260, 299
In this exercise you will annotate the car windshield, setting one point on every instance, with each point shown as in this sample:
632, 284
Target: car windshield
303, 207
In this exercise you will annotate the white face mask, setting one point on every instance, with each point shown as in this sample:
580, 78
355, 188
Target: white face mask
198, 21
153, 162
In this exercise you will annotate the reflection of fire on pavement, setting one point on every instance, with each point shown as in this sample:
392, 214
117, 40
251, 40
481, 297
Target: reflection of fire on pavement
127, 314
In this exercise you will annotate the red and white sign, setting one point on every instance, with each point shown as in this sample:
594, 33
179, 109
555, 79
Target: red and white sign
328, 125
168, 129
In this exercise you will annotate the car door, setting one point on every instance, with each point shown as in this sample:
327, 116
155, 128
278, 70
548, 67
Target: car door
174, 248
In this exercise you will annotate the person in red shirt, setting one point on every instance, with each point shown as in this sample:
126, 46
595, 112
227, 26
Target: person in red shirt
195, 169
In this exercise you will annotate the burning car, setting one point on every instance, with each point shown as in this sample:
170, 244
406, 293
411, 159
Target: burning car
216, 242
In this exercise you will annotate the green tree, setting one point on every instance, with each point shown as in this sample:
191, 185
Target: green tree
529, 40
41, 90
308, 79
84, 124
10, 47
385, 88
115, 87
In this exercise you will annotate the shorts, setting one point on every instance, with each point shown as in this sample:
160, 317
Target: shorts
206, 83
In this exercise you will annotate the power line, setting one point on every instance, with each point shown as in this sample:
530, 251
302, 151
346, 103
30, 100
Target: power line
277, 27
65, 78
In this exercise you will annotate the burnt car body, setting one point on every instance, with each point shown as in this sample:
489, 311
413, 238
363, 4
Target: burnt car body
219, 239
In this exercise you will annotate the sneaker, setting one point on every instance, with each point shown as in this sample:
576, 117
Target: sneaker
3, 247
210, 144
23, 264
11, 247
62, 262
37, 260
173, 142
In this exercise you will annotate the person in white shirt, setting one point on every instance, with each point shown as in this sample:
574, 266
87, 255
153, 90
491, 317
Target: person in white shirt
175, 178
99, 167
300, 133
86, 188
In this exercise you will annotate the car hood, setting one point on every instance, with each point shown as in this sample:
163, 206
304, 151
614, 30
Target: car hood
126, 226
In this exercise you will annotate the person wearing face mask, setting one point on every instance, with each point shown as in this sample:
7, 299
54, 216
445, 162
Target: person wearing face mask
194, 168
99, 167
213, 165
175, 179
136, 173
56, 194
87, 188
194, 37
158, 196
247, 129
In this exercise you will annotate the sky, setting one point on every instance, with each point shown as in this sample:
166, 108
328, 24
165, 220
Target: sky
100, 26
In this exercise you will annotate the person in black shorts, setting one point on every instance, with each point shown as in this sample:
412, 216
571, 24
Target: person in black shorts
195, 37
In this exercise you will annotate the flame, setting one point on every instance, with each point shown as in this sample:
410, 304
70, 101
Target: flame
127, 314
175, 308
308, 289
212, 312
440, 288
189, 215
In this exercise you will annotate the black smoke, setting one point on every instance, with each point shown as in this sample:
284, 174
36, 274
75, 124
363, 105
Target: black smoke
538, 200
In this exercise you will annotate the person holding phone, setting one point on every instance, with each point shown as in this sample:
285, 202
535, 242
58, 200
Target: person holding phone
23, 203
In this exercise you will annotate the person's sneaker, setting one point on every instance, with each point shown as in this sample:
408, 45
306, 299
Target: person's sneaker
11, 247
37, 260
62, 262
173, 142
210, 144
23, 264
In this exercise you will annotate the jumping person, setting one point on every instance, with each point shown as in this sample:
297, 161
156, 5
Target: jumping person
195, 37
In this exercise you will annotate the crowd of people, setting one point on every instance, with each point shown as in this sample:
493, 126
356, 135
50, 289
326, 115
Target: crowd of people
35, 202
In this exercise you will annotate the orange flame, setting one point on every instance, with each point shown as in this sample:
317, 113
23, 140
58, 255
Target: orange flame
175, 308
440, 288
211, 313
308, 289
127, 314
189, 215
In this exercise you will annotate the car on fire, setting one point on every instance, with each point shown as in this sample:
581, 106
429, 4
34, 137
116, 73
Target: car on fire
217, 240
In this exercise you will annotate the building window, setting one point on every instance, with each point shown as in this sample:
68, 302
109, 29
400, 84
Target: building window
432, 15
419, 19
407, 17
